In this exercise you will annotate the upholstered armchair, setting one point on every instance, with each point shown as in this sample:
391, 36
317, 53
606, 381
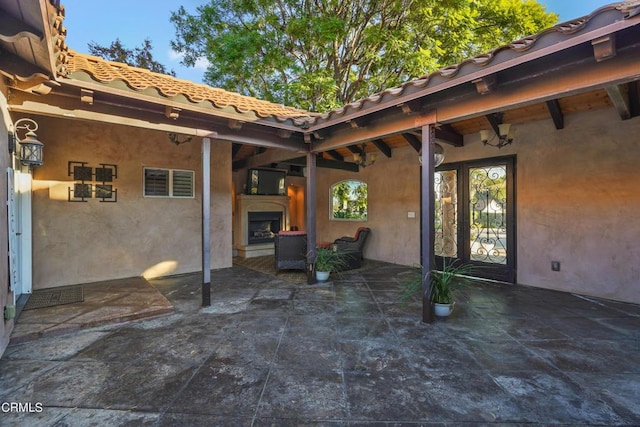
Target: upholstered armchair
290, 250
355, 243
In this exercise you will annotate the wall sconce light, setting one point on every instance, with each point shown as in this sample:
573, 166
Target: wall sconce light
438, 155
503, 137
363, 159
30, 148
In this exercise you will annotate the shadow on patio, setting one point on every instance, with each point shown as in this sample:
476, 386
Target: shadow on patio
270, 352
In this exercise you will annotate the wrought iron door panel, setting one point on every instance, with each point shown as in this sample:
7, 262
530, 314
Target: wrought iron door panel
487, 214
446, 214
475, 216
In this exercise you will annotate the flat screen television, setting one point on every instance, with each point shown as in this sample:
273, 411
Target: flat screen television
266, 182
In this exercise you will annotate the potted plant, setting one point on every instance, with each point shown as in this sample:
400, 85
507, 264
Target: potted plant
328, 260
442, 283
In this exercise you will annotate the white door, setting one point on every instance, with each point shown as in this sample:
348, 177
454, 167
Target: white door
19, 226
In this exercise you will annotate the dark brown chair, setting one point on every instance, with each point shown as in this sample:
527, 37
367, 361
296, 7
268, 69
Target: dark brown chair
290, 250
355, 243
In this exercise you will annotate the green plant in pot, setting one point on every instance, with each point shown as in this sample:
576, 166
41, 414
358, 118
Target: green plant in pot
442, 284
328, 261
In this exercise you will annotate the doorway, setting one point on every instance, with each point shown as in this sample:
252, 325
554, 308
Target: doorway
19, 227
475, 216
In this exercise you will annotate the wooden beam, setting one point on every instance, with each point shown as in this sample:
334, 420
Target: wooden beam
413, 106
556, 113
485, 84
604, 47
86, 96
531, 86
310, 196
235, 148
413, 141
447, 134
495, 120
71, 108
266, 158
634, 97
427, 219
169, 111
379, 129
619, 96
382, 146
335, 155
356, 150
235, 124
582, 77
325, 163
359, 122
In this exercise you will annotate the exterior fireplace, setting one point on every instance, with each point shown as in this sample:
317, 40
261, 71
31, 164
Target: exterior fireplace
262, 226
256, 240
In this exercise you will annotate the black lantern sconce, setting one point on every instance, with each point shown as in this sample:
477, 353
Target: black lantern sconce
29, 147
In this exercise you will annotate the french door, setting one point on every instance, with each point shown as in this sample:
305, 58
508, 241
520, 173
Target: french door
475, 216
19, 228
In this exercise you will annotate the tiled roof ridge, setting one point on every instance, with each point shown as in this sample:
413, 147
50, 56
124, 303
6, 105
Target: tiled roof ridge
59, 35
520, 45
140, 79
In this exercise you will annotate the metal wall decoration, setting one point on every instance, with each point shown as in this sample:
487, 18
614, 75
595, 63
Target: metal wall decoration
100, 182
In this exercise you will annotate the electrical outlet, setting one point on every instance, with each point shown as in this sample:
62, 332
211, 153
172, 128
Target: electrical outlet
555, 265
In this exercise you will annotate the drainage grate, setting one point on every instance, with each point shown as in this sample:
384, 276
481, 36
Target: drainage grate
52, 297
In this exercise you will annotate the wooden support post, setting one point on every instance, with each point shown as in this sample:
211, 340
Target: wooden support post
427, 235
206, 222
311, 215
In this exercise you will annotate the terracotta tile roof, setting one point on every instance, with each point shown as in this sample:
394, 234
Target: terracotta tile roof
59, 33
139, 79
477, 62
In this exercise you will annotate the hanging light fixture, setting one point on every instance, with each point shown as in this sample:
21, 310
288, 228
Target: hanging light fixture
438, 155
502, 136
364, 160
30, 148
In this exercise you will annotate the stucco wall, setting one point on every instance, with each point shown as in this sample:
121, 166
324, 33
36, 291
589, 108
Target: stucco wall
577, 203
94, 241
393, 187
5, 296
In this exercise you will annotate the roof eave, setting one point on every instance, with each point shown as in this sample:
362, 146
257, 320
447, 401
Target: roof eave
576, 31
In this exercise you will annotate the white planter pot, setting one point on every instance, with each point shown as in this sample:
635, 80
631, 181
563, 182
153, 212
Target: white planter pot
322, 276
442, 310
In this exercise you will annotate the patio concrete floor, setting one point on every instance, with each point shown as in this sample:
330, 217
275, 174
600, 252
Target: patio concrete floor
268, 352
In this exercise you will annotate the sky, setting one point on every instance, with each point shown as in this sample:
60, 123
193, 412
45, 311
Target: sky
132, 21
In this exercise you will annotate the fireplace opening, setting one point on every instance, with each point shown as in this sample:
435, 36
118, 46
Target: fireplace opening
263, 226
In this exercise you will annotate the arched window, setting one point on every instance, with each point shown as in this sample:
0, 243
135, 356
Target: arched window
349, 200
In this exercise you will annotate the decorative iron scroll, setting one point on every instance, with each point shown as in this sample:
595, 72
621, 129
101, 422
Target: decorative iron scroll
446, 214
488, 210
99, 183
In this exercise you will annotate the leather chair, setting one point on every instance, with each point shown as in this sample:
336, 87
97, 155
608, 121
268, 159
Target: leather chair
355, 243
290, 250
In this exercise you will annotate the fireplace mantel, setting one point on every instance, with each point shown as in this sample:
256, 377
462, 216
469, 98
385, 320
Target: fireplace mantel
246, 203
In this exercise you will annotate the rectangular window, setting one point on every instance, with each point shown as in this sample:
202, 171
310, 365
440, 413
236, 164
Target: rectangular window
168, 183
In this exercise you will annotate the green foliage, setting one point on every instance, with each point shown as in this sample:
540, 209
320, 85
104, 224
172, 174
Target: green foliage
442, 282
349, 200
140, 57
322, 54
328, 260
